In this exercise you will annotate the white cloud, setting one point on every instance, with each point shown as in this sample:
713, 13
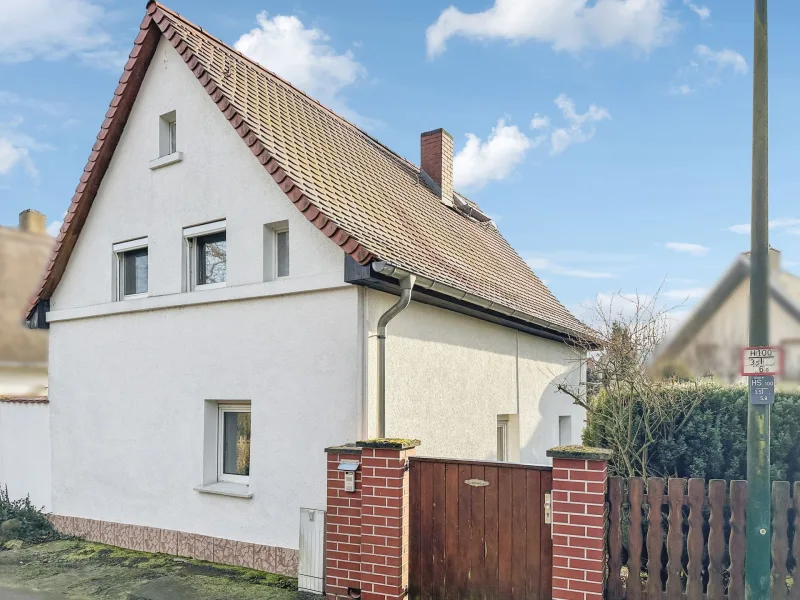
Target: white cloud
782, 223
54, 228
11, 156
565, 24
685, 294
11, 99
479, 162
52, 30
303, 56
701, 11
539, 264
580, 127
706, 68
724, 59
540, 122
15, 149
693, 249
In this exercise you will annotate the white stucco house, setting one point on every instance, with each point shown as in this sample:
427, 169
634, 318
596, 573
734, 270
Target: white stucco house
217, 297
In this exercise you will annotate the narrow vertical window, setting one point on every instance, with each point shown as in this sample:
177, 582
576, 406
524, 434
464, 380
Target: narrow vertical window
168, 134
564, 430
282, 252
234, 443
173, 136
502, 440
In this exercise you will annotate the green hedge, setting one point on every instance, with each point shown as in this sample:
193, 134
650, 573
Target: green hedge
712, 443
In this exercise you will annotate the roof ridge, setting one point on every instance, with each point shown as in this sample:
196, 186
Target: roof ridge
288, 83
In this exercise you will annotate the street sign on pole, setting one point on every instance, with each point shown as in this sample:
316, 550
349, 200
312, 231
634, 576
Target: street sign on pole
762, 389
761, 360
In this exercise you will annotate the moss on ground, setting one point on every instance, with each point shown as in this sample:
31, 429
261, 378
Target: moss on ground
85, 570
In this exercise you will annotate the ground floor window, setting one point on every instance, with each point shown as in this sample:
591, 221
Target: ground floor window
233, 441
564, 430
502, 439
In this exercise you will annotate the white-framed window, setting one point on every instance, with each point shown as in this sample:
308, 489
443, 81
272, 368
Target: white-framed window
206, 256
276, 250
131, 266
564, 430
167, 134
502, 440
233, 443
282, 253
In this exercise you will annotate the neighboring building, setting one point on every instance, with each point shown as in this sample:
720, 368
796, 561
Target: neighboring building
24, 252
215, 294
710, 341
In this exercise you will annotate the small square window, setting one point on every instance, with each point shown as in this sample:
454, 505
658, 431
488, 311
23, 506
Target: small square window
282, 252
132, 269
207, 253
233, 440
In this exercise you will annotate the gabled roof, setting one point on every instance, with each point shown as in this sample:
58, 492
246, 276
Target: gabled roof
23, 255
374, 204
738, 272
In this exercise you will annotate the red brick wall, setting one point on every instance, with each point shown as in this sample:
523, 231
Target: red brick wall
579, 492
367, 531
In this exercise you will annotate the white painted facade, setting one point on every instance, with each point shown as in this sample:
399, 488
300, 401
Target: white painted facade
25, 451
450, 376
131, 380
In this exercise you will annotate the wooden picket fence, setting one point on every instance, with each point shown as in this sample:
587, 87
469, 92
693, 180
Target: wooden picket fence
697, 539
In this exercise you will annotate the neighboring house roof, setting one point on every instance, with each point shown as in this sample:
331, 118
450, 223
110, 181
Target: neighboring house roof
23, 256
374, 204
738, 272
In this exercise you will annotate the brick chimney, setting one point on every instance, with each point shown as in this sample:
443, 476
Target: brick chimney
32, 221
437, 161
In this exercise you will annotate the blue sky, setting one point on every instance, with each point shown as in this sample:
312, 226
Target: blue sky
610, 139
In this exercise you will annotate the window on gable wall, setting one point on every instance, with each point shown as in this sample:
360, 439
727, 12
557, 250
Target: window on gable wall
168, 134
131, 269
207, 255
276, 250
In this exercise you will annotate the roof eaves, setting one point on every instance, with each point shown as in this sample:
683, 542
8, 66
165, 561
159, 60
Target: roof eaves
588, 338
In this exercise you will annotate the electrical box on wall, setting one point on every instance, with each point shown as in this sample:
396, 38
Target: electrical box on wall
349, 467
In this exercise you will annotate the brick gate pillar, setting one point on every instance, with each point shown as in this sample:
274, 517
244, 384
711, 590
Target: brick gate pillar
578, 505
367, 529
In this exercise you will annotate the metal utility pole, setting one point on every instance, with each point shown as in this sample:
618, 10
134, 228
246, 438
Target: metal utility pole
757, 568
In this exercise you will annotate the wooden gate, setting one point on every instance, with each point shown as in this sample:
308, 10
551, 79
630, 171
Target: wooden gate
478, 530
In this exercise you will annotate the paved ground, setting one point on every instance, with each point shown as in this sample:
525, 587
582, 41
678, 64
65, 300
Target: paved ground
75, 570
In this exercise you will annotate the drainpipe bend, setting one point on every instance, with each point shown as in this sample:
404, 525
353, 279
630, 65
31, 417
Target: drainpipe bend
406, 286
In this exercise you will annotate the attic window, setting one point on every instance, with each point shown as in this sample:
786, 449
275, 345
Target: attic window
167, 134
167, 141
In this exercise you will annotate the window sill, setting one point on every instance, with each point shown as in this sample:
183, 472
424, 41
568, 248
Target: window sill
210, 286
224, 488
163, 161
135, 296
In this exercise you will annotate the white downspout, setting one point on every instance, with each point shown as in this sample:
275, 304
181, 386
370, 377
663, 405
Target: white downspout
406, 285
